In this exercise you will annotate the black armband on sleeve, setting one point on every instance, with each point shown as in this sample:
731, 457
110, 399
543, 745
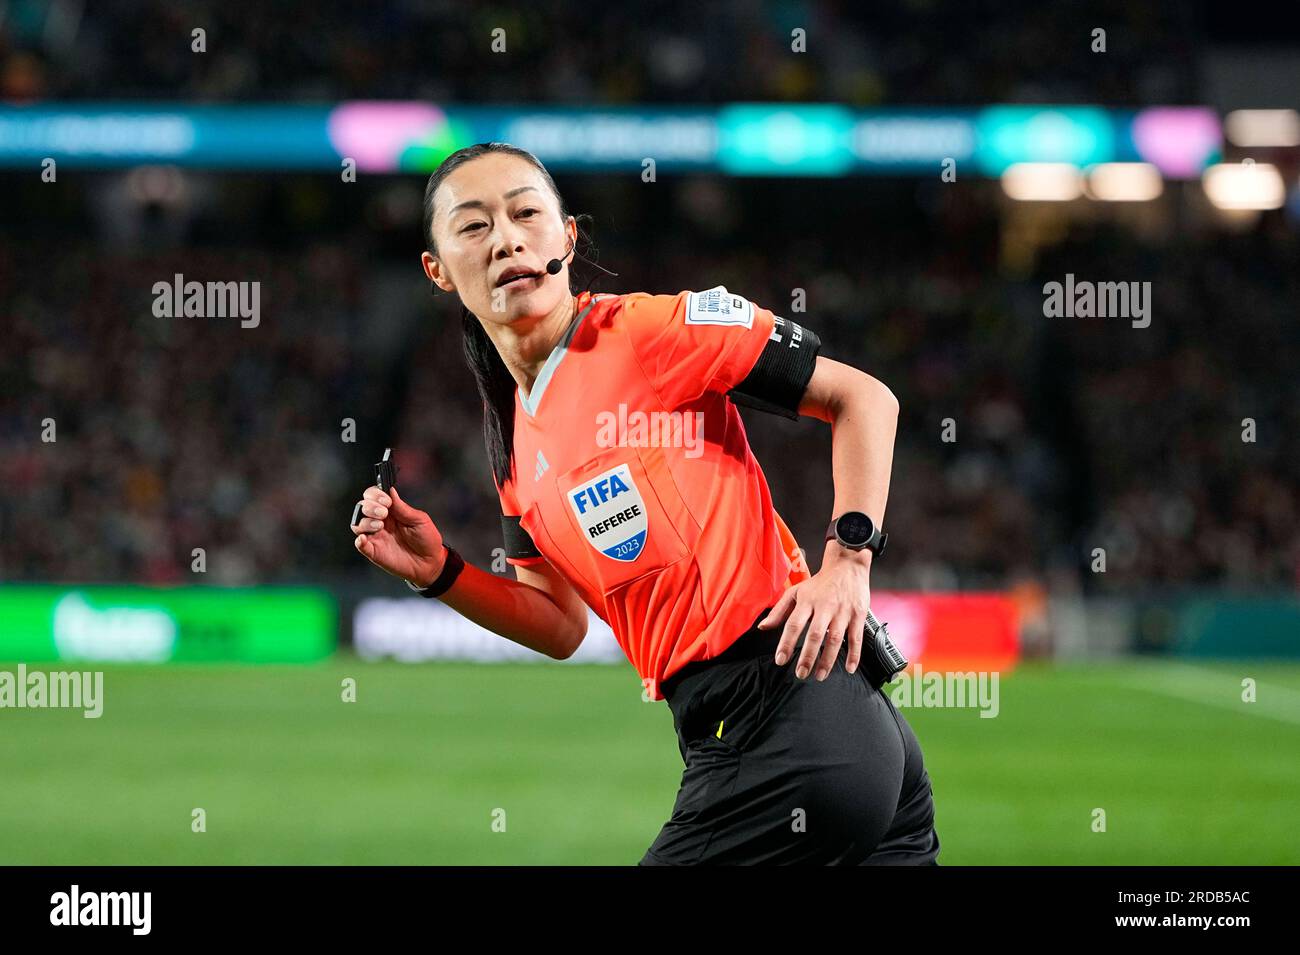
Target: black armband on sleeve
518, 543
777, 381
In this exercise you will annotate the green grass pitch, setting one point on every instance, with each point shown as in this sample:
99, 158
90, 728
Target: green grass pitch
416, 770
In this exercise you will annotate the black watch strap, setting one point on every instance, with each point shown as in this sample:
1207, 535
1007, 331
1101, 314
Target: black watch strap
451, 568
876, 544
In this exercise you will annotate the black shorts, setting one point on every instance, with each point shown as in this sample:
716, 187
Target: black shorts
825, 773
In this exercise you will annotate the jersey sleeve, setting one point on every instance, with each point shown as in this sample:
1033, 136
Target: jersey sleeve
716, 340
694, 342
519, 547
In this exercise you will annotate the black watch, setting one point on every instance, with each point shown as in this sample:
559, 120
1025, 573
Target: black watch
451, 568
857, 531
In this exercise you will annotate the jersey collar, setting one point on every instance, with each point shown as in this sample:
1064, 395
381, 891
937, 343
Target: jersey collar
585, 301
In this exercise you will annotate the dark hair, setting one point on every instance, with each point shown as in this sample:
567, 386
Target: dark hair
496, 385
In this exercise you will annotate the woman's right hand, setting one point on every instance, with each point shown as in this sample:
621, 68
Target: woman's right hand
399, 538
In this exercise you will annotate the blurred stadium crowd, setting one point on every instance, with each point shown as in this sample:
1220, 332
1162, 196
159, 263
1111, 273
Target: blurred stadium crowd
901, 51
169, 435
1070, 434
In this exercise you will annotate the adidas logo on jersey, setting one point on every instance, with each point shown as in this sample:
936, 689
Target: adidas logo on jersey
542, 466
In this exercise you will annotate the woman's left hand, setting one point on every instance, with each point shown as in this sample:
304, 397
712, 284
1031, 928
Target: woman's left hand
831, 604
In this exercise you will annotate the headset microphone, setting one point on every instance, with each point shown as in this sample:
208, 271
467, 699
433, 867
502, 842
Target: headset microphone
554, 266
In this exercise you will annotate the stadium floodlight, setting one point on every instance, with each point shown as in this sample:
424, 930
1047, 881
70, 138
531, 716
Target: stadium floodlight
1245, 185
1043, 181
1263, 127
1124, 182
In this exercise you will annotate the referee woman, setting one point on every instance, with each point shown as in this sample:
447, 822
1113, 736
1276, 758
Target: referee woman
627, 484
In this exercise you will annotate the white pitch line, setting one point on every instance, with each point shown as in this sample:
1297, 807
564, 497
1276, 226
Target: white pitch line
1176, 679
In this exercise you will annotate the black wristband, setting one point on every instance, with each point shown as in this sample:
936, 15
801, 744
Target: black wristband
451, 568
518, 544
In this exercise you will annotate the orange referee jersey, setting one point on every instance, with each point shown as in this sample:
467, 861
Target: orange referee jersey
633, 475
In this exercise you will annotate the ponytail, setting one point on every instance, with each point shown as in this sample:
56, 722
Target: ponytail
496, 386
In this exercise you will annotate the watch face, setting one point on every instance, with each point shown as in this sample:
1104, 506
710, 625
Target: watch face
854, 529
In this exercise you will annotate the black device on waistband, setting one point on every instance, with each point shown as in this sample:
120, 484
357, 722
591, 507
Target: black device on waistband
880, 662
